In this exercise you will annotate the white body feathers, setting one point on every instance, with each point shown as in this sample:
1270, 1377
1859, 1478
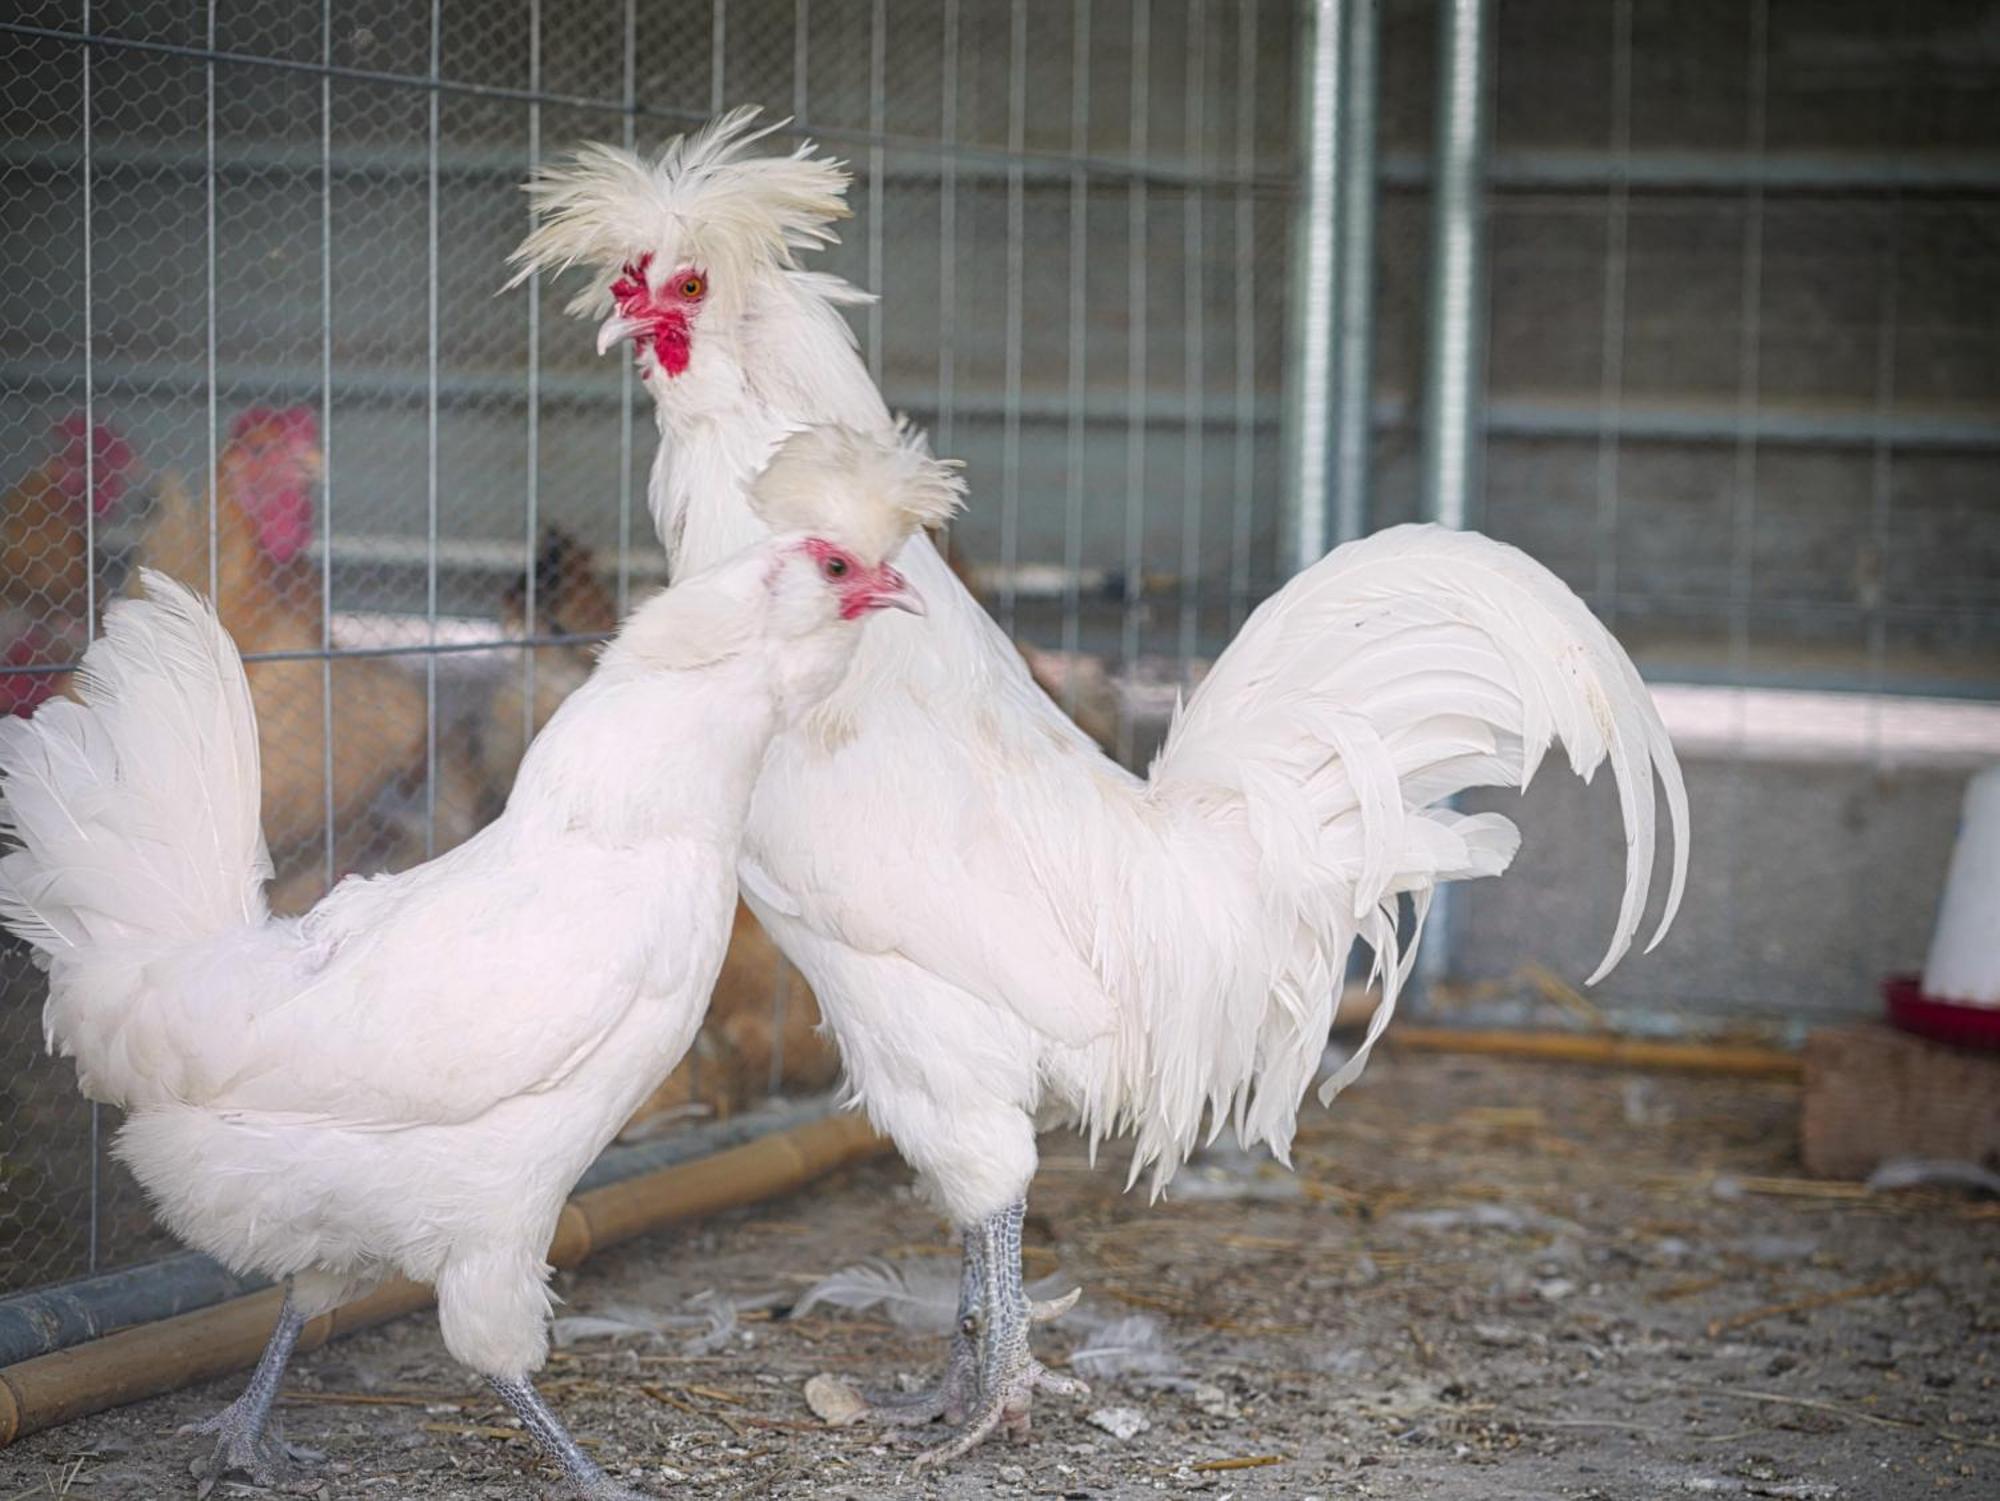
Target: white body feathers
996, 919
410, 1077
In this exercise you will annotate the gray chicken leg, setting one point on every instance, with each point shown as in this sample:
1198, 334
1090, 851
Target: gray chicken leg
248, 1438
582, 1472
1009, 1374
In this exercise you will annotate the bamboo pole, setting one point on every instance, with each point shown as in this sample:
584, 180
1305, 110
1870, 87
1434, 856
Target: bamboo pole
1611, 1051
172, 1353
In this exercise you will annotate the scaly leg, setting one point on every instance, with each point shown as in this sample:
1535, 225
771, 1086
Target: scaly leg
582, 1472
248, 1438
1009, 1374
953, 1395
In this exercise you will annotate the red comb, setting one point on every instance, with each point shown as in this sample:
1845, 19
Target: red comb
295, 424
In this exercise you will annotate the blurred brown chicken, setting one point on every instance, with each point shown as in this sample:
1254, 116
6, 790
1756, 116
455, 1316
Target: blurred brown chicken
570, 600
761, 1035
268, 593
45, 555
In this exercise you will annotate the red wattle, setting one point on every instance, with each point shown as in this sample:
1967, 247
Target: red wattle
285, 523
673, 345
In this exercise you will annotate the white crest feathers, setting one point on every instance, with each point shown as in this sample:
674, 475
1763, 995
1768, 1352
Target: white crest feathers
701, 202
868, 492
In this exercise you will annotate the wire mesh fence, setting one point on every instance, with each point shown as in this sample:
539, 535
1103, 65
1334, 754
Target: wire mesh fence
1741, 391
252, 338
1742, 394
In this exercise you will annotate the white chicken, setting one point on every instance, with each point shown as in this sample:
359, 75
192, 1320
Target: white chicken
999, 922
410, 1077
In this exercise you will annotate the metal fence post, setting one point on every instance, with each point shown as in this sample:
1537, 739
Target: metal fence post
1454, 374
1314, 302
1455, 314
1354, 389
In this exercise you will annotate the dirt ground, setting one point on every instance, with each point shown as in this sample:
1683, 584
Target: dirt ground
1488, 1279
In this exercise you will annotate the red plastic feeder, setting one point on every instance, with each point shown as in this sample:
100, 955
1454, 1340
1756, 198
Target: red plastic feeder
1941, 1021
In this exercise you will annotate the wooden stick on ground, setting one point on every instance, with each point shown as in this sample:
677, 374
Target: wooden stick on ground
1610, 1051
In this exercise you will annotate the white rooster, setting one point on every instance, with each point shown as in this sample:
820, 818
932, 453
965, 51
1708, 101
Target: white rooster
410, 1077
998, 922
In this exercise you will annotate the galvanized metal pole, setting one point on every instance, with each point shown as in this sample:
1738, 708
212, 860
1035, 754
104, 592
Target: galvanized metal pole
1245, 479
1310, 389
1454, 367
1454, 361
1354, 377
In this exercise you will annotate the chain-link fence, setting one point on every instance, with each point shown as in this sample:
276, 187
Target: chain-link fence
1742, 389
251, 336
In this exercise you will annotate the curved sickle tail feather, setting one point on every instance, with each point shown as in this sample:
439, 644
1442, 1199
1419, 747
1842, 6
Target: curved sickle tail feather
1392, 675
134, 812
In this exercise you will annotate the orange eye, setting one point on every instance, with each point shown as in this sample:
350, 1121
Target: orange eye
693, 287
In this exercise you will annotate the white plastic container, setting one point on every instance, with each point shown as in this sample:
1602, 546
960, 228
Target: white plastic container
1964, 963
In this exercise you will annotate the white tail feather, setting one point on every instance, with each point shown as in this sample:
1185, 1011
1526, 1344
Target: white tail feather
1393, 674
135, 811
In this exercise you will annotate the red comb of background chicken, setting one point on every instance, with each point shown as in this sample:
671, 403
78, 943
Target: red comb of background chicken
113, 461
274, 457
293, 424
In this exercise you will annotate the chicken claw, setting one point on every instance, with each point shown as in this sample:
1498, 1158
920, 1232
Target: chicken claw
838, 1402
261, 1454
955, 1393
1007, 1406
604, 1488
1008, 1371
1048, 1311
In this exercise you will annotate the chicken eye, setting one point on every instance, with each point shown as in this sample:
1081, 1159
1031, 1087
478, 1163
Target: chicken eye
834, 568
693, 288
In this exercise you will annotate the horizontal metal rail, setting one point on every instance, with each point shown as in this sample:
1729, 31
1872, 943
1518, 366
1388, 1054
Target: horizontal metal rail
1549, 415
1163, 407
1592, 171
365, 653
1861, 426
912, 162
1163, 173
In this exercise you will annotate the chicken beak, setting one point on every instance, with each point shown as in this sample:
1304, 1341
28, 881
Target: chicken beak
894, 593
616, 330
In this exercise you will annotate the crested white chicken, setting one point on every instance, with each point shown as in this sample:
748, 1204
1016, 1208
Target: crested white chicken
1000, 922
410, 1077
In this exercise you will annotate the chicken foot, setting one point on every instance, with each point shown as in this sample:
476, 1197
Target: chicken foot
249, 1438
1009, 1374
952, 1395
582, 1472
